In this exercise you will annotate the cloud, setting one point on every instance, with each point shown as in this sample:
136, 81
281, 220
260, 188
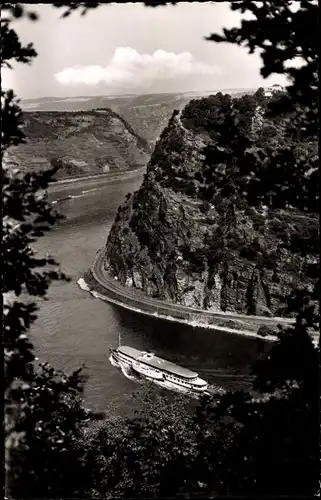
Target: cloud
129, 68
7, 78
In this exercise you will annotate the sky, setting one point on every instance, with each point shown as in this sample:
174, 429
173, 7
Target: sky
130, 48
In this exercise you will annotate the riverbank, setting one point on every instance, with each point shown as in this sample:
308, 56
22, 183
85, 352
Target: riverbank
88, 284
101, 286
106, 175
78, 186
250, 329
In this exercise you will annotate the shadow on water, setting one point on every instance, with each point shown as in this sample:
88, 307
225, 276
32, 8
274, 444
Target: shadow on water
220, 357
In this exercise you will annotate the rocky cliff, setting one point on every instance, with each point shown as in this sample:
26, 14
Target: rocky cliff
80, 143
171, 242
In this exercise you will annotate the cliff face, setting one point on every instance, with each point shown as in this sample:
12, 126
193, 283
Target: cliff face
80, 143
170, 243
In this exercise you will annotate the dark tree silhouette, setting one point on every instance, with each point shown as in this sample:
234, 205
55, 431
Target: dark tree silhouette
44, 414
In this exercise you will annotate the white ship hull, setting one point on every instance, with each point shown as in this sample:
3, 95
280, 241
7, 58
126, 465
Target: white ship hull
176, 387
167, 380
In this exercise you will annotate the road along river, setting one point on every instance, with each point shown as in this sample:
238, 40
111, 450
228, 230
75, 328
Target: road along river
102, 285
74, 328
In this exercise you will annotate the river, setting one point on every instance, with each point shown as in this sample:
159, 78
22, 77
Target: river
74, 328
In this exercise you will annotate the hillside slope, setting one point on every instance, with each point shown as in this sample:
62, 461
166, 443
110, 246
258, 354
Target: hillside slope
148, 114
173, 241
80, 143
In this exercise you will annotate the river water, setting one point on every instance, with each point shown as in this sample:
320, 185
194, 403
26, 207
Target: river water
74, 328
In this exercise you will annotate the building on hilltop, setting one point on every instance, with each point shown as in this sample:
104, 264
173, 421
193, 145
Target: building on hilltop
271, 90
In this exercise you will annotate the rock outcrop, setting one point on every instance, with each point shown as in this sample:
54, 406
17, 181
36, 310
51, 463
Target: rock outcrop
172, 244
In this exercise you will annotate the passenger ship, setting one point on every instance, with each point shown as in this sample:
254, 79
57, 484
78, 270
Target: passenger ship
160, 371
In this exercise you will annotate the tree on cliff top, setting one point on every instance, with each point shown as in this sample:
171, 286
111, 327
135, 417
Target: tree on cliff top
253, 154
284, 170
287, 34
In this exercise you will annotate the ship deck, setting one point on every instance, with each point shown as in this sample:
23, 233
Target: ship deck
172, 368
130, 351
158, 363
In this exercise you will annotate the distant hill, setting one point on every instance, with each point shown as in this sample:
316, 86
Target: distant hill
148, 114
80, 143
